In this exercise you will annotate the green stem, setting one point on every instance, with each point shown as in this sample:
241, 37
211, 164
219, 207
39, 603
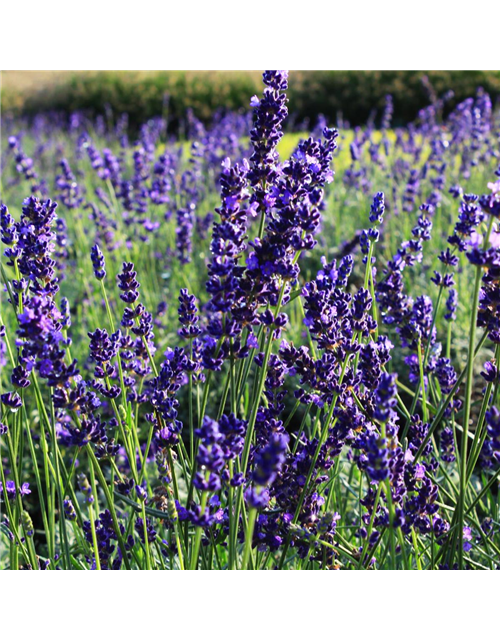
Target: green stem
110, 504
197, 539
252, 516
467, 403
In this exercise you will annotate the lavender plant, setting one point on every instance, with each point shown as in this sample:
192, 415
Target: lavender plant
251, 349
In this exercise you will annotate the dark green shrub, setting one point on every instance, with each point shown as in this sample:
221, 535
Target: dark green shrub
141, 94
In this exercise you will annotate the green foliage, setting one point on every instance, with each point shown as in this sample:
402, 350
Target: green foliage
352, 94
356, 94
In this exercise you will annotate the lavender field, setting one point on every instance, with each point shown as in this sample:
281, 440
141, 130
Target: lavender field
252, 344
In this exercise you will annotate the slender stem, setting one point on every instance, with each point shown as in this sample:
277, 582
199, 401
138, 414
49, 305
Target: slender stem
467, 402
62, 519
422, 380
366, 556
110, 504
197, 539
252, 516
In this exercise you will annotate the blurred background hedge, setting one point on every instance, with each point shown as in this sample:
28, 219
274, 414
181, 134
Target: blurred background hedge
353, 94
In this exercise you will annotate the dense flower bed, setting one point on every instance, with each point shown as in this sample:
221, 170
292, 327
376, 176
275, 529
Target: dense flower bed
187, 383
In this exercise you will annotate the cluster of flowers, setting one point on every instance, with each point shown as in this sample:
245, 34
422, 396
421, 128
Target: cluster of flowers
228, 446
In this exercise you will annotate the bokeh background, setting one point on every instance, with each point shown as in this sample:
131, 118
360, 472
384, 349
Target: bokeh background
346, 96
